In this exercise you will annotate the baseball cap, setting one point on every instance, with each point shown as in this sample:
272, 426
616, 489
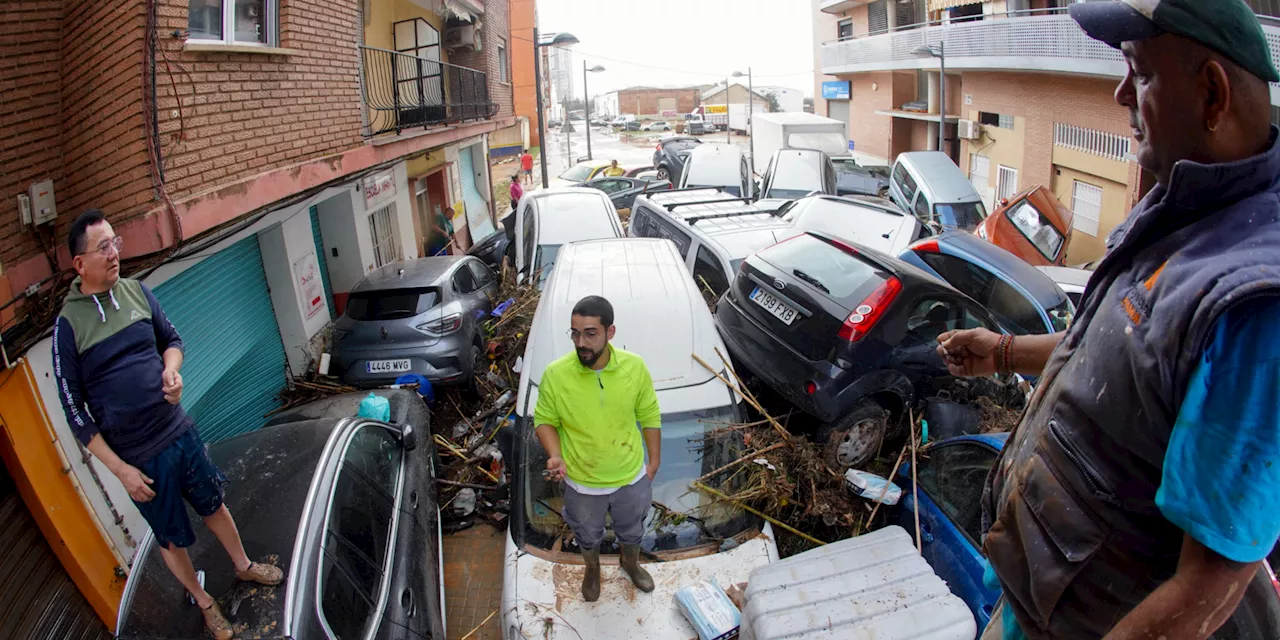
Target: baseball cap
1226, 26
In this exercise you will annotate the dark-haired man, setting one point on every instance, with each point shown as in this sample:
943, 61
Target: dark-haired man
589, 403
117, 355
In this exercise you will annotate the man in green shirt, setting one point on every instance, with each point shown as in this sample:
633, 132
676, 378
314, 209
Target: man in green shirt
589, 403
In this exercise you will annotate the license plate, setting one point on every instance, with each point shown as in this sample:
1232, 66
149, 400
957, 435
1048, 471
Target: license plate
773, 305
386, 366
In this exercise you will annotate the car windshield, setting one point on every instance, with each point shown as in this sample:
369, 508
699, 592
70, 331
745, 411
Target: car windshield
795, 177
1036, 228
578, 173
681, 517
960, 215
546, 260
391, 304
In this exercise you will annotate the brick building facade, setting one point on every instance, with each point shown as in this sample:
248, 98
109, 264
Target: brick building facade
651, 102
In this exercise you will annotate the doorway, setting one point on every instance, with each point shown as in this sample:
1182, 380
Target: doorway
429, 201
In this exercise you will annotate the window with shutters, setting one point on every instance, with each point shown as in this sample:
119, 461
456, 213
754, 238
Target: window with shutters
385, 231
844, 29
878, 17
1086, 204
1006, 182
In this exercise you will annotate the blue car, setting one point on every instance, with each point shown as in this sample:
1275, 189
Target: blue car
952, 475
1022, 299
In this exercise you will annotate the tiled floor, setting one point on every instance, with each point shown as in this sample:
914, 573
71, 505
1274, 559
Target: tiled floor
473, 581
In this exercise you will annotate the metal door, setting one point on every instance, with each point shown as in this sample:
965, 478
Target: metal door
235, 363
478, 219
320, 261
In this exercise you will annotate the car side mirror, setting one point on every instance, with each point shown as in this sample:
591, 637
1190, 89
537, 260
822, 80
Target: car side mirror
409, 437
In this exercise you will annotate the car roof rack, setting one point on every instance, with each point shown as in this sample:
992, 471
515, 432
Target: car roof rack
692, 220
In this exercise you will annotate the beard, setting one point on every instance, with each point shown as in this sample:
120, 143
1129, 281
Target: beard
588, 357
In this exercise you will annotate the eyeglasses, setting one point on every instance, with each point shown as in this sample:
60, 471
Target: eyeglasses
114, 244
589, 334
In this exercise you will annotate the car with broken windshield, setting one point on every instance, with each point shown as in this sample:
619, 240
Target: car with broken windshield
660, 316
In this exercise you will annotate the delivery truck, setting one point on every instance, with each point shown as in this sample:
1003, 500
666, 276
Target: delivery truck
731, 116
775, 131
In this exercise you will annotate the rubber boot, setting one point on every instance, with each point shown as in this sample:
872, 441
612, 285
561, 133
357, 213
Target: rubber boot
591, 577
630, 562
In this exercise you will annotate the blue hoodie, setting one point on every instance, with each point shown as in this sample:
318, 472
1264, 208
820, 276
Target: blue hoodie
107, 359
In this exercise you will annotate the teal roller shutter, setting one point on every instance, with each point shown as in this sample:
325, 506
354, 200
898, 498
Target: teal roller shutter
475, 202
234, 364
324, 266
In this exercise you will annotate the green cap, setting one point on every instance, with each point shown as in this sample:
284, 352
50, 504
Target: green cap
1226, 26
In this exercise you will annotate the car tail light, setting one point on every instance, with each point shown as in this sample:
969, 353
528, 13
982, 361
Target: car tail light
657, 147
926, 246
843, 246
810, 388
444, 326
868, 312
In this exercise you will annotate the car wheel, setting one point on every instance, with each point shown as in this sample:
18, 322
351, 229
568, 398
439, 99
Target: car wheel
476, 357
854, 438
663, 174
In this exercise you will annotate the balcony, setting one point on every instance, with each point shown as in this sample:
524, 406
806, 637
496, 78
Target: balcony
838, 7
402, 92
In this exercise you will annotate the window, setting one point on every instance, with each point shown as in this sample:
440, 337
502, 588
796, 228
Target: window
844, 29
929, 319
953, 476
464, 281
386, 235
503, 73
251, 22
1011, 308
640, 224
1036, 229
708, 274
922, 209
959, 215
530, 239
980, 172
1086, 204
357, 538
482, 273
420, 79
612, 186
841, 274
906, 184
664, 229
995, 119
1006, 182
391, 305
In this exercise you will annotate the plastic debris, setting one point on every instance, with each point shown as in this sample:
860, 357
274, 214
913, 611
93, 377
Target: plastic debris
872, 486
465, 503
375, 407
765, 463
502, 308
515, 368
709, 610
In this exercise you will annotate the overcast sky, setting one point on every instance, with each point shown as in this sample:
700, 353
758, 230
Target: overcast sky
672, 42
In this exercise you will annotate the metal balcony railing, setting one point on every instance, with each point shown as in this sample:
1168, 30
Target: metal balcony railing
1033, 40
403, 91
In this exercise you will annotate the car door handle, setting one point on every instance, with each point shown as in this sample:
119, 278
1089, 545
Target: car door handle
406, 602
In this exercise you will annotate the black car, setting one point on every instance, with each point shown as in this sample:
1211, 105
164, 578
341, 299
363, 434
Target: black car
796, 173
846, 333
670, 154
347, 508
853, 179
493, 247
623, 191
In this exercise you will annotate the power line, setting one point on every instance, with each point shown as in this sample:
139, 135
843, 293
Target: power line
670, 70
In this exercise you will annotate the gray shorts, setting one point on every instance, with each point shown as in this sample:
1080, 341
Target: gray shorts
628, 506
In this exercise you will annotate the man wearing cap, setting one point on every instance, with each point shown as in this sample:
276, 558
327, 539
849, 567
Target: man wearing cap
1141, 489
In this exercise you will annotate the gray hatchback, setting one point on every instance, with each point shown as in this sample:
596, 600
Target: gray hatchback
421, 316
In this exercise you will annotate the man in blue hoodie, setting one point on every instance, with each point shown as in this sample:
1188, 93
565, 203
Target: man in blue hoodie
116, 357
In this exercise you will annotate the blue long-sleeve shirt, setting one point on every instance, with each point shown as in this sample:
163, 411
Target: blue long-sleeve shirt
108, 360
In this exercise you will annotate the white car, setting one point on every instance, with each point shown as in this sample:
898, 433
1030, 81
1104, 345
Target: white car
719, 165
660, 125
1071, 280
659, 315
549, 219
868, 221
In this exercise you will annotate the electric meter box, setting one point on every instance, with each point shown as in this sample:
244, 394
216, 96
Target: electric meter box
43, 209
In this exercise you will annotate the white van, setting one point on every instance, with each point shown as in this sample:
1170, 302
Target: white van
720, 165
548, 219
931, 186
659, 315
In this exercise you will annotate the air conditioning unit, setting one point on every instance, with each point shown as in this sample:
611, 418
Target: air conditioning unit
467, 37
968, 130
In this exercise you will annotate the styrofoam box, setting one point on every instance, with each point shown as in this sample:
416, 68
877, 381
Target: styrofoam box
875, 586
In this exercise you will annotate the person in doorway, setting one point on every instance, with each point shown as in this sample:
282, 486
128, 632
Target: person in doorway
440, 243
526, 166
589, 403
613, 170
117, 360
517, 192
1139, 493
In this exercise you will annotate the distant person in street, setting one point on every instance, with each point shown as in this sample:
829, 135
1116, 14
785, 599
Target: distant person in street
117, 359
517, 192
440, 241
526, 166
614, 170
589, 403
1140, 491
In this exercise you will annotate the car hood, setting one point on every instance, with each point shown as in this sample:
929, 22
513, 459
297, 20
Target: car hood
536, 591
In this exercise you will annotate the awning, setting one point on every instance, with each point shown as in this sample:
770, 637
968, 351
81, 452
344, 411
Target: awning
939, 5
916, 115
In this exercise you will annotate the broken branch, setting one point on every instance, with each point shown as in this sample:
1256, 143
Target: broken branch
744, 458
774, 521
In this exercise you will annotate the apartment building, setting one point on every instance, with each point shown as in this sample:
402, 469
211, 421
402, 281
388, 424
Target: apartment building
257, 157
1028, 98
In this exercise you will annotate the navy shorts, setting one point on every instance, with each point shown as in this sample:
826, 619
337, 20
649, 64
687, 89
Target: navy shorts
182, 471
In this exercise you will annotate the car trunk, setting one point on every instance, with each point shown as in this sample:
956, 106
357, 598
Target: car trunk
820, 314
385, 318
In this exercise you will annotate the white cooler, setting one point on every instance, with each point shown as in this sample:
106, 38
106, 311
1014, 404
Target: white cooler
873, 587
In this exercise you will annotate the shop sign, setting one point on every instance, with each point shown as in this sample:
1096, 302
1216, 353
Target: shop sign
378, 188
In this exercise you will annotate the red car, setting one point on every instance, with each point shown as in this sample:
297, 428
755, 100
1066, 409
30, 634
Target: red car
1032, 225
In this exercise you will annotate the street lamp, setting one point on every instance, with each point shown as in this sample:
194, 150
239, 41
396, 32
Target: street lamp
939, 52
751, 112
557, 40
586, 101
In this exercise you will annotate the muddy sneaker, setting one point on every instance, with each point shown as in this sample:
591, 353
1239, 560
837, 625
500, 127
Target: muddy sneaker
267, 574
217, 623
